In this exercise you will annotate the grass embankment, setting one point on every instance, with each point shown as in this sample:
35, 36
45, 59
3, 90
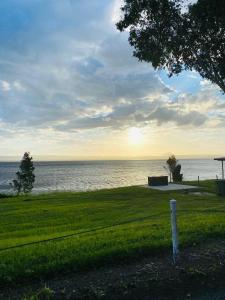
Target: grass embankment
143, 215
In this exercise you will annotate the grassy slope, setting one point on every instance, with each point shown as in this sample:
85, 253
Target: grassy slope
34, 218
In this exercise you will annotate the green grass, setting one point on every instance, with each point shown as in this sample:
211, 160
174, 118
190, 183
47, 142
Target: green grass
145, 228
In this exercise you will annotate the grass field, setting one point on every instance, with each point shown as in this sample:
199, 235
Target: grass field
109, 226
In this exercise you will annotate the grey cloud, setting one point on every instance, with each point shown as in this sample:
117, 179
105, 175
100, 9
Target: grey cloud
137, 114
78, 73
164, 114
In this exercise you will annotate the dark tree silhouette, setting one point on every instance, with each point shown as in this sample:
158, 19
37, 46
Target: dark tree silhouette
162, 33
177, 176
25, 176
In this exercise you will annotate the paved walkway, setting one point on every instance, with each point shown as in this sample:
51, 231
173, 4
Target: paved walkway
173, 187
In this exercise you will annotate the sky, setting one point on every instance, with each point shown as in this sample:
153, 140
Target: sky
71, 89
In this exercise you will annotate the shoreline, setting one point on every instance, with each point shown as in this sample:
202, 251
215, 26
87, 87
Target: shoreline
145, 185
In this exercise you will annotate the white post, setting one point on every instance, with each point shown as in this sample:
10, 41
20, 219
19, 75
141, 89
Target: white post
222, 170
174, 229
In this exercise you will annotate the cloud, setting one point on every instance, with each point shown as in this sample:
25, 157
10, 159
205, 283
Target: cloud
61, 69
164, 115
139, 113
5, 86
68, 72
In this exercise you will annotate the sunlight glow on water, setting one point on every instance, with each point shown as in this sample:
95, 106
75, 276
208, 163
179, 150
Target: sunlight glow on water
92, 175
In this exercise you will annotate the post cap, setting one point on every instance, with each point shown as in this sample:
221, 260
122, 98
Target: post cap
173, 201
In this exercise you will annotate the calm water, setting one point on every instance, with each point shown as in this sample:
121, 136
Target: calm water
91, 175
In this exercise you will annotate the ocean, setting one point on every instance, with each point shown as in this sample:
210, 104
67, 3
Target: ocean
92, 175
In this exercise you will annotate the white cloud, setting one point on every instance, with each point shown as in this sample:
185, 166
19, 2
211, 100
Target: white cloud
205, 83
115, 13
5, 86
18, 86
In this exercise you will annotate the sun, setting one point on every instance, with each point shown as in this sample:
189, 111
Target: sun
135, 136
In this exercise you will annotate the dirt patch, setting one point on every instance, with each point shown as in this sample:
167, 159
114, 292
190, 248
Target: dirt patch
199, 268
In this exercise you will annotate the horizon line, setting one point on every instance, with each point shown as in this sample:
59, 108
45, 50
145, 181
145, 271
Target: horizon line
43, 158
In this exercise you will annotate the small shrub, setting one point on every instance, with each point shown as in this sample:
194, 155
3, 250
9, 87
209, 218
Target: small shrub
177, 176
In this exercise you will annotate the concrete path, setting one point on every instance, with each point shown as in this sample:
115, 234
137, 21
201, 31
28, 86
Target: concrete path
173, 187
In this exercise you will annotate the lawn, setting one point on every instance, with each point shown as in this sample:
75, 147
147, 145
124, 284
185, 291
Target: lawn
101, 227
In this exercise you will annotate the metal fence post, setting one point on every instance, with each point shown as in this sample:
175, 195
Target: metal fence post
174, 229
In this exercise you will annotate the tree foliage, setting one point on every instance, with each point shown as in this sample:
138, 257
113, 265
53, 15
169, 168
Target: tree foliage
174, 169
172, 38
171, 162
25, 176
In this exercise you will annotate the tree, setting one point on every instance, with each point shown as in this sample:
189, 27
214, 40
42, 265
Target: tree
169, 37
25, 176
174, 169
171, 163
